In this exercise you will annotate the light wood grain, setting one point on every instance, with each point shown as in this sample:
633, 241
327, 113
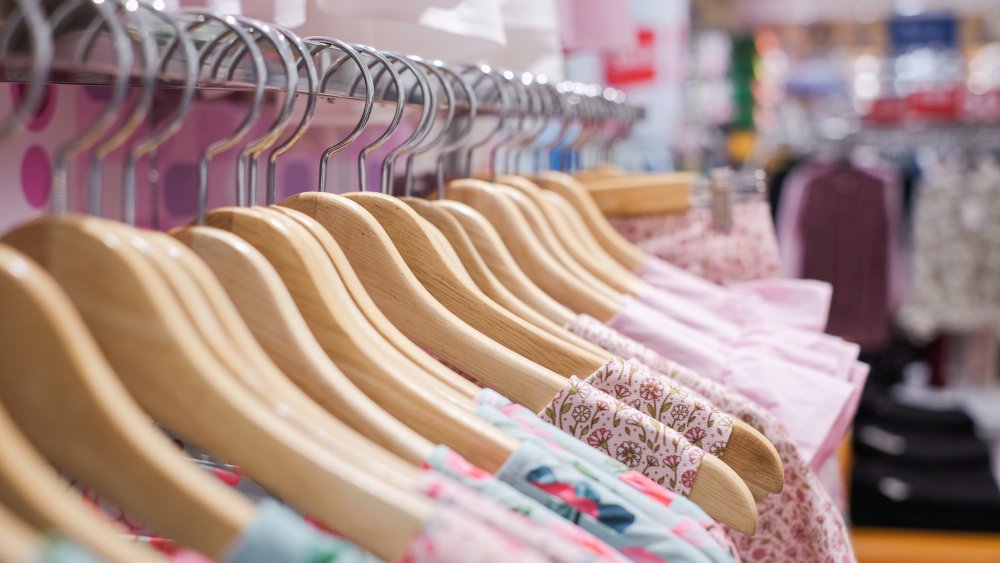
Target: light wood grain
597, 262
18, 541
461, 391
484, 278
353, 344
545, 235
428, 262
616, 245
720, 492
754, 458
62, 392
171, 373
498, 259
270, 312
530, 254
642, 194
404, 300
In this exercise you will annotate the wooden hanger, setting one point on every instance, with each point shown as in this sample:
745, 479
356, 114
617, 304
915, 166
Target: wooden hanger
270, 312
530, 254
603, 171
62, 393
201, 295
155, 351
498, 259
420, 249
18, 541
616, 245
354, 345
597, 263
459, 390
474, 264
642, 194
32, 490
414, 310
547, 238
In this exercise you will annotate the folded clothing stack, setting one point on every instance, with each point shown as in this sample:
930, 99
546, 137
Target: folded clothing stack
921, 468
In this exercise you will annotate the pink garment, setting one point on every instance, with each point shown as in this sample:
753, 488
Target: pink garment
799, 524
797, 303
625, 434
451, 536
747, 251
476, 506
817, 405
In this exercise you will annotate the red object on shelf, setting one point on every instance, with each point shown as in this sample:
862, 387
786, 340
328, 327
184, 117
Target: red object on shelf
632, 66
944, 104
885, 112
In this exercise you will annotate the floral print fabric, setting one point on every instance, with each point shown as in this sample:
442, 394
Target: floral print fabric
556, 439
498, 517
747, 251
451, 536
278, 534
681, 525
698, 420
622, 432
799, 524
449, 463
572, 492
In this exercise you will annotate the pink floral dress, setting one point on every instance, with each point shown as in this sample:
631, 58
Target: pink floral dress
747, 251
801, 523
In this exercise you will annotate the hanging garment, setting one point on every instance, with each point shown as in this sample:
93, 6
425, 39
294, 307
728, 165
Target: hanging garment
531, 428
799, 524
600, 25
493, 514
562, 489
817, 405
445, 461
797, 303
840, 224
746, 251
530, 423
955, 273
61, 550
278, 534
625, 434
450, 536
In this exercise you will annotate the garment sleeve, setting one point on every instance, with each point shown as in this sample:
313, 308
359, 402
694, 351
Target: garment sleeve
789, 212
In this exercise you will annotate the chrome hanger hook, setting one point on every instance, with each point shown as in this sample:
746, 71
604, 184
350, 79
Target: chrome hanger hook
460, 137
434, 69
428, 111
40, 35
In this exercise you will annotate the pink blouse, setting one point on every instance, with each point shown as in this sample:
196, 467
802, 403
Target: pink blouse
798, 303
816, 401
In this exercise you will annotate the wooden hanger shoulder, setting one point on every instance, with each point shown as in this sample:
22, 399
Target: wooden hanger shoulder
720, 492
400, 295
497, 257
424, 257
645, 194
18, 541
621, 249
452, 230
61, 391
530, 254
754, 458
311, 279
597, 263
464, 388
271, 385
546, 235
186, 388
475, 265
271, 314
